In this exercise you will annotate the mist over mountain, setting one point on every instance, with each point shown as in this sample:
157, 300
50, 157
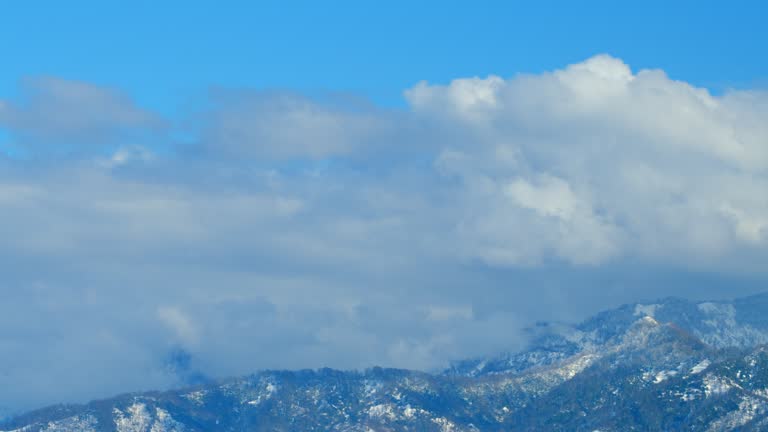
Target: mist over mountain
672, 364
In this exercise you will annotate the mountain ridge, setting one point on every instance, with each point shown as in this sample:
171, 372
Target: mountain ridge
670, 364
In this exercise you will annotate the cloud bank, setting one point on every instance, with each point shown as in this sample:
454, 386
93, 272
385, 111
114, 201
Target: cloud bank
284, 231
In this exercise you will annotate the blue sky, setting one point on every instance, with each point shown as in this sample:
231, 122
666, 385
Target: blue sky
164, 53
351, 184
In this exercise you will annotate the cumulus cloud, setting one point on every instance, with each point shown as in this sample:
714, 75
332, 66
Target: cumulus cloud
303, 232
633, 163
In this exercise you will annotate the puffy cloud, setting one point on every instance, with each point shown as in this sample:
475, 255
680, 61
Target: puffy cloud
468, 98
600, 104
632, 164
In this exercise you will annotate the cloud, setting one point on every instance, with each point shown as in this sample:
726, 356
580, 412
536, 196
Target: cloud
181, 325
286, 126
328, 232
56, 112
470, 99
635, 164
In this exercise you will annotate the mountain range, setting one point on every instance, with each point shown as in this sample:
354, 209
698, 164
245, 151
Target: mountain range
668, 365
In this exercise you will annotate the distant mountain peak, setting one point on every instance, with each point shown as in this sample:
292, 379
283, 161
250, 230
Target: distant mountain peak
671, 364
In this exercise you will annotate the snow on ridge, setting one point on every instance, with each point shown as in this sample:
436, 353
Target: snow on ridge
699, 367
195, 396
749, 408
137, 418
715, 385
79, 423
165, 423
647, 310
720, 314
721, 329
382, 411
659, 377
269, 390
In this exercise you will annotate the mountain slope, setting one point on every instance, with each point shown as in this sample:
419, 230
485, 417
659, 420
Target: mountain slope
669, 365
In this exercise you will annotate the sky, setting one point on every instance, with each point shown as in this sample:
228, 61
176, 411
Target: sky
191, 188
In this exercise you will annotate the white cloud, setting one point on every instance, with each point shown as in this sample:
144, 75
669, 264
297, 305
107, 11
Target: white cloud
551, 197
181, 325
285, 126
631, 164
468, 98
126, 154
346, 236
748, 227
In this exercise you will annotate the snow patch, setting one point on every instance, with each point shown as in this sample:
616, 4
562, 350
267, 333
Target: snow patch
410, 412
195, 397
165, 423
137, 418
382, 411
749, 408
659, 377
721, 314
445, 424
269, 390
86, 423
700, 367
646, 310
714, 385
371, 388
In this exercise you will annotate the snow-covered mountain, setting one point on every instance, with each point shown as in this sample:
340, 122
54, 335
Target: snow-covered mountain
741, 323
666, 365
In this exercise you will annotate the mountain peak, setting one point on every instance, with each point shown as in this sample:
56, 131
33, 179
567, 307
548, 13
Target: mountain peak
631, 368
